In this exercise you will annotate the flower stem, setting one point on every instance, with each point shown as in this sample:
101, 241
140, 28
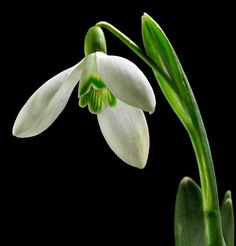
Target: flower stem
212, 217
133, 46
198, 136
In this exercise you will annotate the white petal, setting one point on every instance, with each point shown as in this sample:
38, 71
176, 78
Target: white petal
44, 106
126, 132
126, 81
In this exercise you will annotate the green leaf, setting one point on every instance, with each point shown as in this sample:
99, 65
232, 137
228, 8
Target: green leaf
174, 84
159, 49
189, 218
227, 217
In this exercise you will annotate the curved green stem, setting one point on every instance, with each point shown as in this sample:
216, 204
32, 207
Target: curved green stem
133, 46
212, 217
198, 136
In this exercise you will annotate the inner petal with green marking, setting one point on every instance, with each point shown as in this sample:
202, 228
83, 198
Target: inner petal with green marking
94, 94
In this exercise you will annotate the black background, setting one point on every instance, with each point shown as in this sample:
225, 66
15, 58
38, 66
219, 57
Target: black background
66, 185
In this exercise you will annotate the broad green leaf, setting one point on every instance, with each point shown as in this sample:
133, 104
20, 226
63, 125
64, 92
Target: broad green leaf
227, 217
189, 219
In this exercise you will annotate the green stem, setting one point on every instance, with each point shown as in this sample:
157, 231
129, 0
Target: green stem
212, 217
133, 46
201, 147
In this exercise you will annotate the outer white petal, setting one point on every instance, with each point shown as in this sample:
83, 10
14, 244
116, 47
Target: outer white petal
126, 81
45, 105
126, 132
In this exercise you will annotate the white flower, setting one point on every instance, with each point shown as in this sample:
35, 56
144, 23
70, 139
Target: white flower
113, 87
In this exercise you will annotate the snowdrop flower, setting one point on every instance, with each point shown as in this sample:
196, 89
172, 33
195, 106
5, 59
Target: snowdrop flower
112, 87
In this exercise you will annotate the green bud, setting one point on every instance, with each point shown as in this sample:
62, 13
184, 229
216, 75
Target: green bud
94, 41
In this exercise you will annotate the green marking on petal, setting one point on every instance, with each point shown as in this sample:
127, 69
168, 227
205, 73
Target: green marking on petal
84, 87
90, 104
85, 84
84, 100
95, 104
97, 82
97, 100
94, 94
111, 99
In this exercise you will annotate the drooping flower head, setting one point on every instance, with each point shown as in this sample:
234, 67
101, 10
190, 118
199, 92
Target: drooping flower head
111, 86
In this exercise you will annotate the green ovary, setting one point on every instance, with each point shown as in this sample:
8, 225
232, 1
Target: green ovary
97, 100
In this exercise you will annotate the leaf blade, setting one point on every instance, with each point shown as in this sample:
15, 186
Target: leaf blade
227, 218
161, 52
189, 218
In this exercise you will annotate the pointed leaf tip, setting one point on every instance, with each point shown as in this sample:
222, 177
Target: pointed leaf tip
227, 216
145, 15
168, 70
228, 195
